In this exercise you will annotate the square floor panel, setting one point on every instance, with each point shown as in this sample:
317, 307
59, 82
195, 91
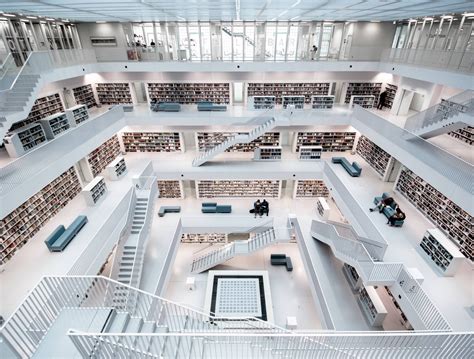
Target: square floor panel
238, 297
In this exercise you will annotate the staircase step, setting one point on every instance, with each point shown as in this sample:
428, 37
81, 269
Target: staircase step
119, 323
148, 327
134, 325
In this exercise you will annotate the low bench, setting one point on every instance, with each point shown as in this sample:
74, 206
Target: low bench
281, 260
168, 209
61, 237
353, 169
166, 107
209, 106
212, 207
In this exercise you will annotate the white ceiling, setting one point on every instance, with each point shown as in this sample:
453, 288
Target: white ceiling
172, 10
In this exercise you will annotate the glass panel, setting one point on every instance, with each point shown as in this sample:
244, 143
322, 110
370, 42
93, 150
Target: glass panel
216, 41
260, 42
249, 43
206, 42
325, 41
183, 49
226, 42
238, 32
292, 42
138, 35
303, 39
195, 42
282, 35
270, 42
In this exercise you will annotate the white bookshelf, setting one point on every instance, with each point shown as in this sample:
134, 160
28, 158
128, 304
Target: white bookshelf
238, 188
152, 141
399, 311
296, 101
19, 141
94, 191
114, 93
84, 95
189, 93
366, 101
329, 141
278, 90
322, 102
268, 153
362, 89
372, 306
323, 208
103, 155
204, 238
441, 251
310, 153
376, 157
170, 189
355, 281
54, 125
43, 107
116, 169
391, 93
310, 189
261, 102
77, 114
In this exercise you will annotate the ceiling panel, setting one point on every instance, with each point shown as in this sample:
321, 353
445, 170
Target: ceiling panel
172, 10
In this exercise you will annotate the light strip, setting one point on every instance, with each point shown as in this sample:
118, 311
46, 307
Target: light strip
294, 18
8, 15
295, 4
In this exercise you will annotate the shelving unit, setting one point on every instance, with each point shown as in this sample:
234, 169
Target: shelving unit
54, 125
189, 93
391, 93
441, 251
208, 140
170, 189
116, 169
376, 157
310, 189
94, 191
43, 107
104, 155
329, 141
310, 153
238, 188
363, 101
363, 89
152, 141
372, 306
352, 277
19, 141
114, 93
297, 101
464, 134
322, 102
204, 238
403, 318
279, 90
450, 218
84, 95
262, 102
77, 114
268, 153
323, 208
25, 221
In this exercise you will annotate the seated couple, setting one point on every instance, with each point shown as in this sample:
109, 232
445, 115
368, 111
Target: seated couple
260, 208
398, 215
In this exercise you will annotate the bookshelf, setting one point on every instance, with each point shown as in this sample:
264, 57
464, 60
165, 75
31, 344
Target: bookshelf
279, 90
310, 189
77, 114
24, 222
189, 93
363, 89
352, 277
54, 125
114, 93
323, 208
19, 141
204, 238
372, 306
329, 141
376, 157
268, 153
84, 95
238, 188
116, 169
310, 153
464, 134
450, 218
152, 141
94, 191
262, 102
103, 155
297, 101
322, 102
403, 318
391, 93
441, 251
208, 140
363, 101
43, 107
170, 189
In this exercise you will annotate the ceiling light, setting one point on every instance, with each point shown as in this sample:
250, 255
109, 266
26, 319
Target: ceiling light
180, 18
31, 17
295, 4
8, 15
374, 20
283, 13
100, 22
48, 18
294, 18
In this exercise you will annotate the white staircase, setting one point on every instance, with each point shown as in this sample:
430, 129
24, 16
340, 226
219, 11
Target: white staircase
228, 251
258, 131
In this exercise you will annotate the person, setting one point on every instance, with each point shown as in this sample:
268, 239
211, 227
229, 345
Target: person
382, 99
256, 207
313, 52
399, 215
382, 204
152, 43
264, 208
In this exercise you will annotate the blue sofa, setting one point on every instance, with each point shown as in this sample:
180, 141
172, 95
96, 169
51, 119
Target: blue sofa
353, 169
213, 207
389, 211
209, 106
166, 107
61, 237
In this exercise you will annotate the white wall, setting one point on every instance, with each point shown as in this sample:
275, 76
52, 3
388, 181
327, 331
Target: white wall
373, 34
104, 53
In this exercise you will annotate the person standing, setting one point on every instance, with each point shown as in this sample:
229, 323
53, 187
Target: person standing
314, 50
382, 100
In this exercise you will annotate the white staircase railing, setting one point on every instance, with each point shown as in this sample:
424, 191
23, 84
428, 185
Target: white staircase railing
258, 131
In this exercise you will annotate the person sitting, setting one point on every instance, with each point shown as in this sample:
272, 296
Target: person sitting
256, 208
382, 204
264, 208
399, 215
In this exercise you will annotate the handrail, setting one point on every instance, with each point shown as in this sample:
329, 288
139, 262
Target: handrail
20, 72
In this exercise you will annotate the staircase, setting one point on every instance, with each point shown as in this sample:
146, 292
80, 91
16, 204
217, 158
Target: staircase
228, 251
258, 131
